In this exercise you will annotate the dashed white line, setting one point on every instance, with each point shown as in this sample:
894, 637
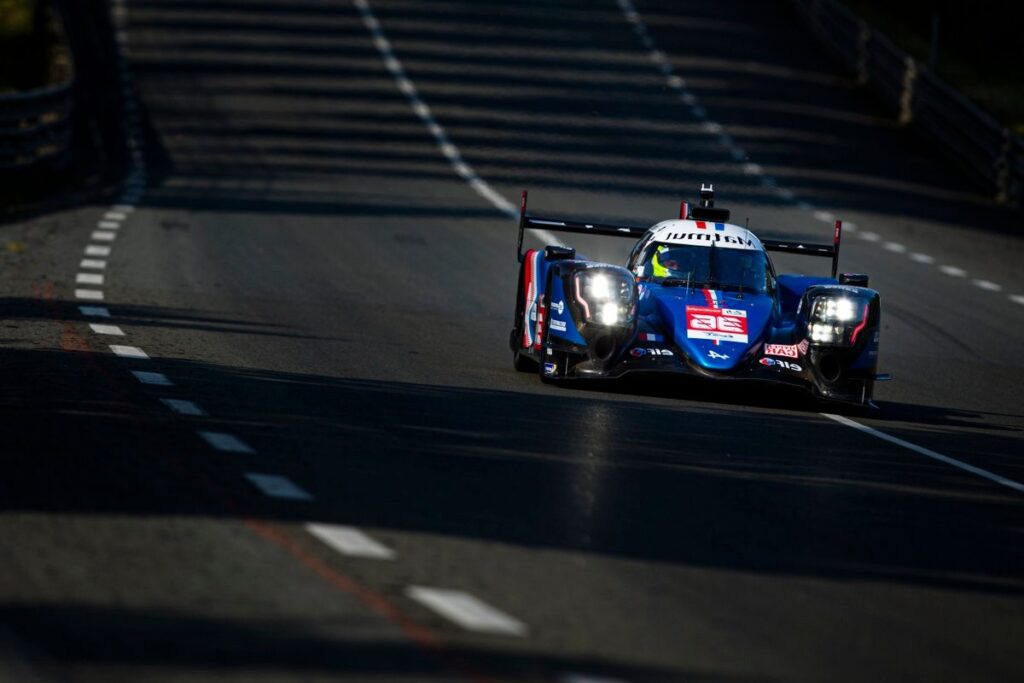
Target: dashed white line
155, 378
953, 271
183, 407
276, 486
987, 285
350, 541
226, 442
123, 208
94, 294
922, 258
89, 279
104, 236
97, 264
112, 330
1017, 299
94, 311
467, 611
869, 236
991, 476
894, 247
97, 250
109, 225
824, 216
128, 351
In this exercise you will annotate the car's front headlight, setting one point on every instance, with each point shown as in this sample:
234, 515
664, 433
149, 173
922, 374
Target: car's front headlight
837, 320
607, 296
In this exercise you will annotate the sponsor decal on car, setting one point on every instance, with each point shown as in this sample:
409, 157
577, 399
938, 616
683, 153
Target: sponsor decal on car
784, 364
719, 356
720, 324
783, 350
558, 307
639, 352
557, 325
549, 368
651, 337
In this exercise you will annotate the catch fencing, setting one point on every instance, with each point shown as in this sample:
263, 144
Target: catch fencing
920, 99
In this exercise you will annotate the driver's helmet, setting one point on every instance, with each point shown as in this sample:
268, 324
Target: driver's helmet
662, 263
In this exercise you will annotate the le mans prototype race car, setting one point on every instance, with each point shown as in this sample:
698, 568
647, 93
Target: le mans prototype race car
698, 297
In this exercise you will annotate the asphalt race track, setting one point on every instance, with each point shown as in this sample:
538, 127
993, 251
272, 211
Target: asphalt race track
308, 457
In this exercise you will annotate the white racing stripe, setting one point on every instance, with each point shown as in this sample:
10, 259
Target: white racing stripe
1003, 481
154, 378
350, 541
129, 351
422, 110
276, 486
226, 442
183, 407
112, 330
467, 611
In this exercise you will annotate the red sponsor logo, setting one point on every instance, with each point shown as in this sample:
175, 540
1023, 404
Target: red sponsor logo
783, 350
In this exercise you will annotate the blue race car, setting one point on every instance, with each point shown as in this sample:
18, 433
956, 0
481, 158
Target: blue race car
698, 297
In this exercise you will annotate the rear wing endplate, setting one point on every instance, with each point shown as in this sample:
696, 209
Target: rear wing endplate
559, 225
826, 250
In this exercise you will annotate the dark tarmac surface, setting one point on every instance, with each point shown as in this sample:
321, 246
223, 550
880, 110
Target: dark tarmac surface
308, 269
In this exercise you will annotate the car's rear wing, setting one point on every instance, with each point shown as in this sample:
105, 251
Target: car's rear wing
560, 225
826, 250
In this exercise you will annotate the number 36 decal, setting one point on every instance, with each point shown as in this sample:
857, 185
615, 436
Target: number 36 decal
724, 324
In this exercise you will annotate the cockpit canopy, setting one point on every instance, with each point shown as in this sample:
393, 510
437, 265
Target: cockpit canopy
705, 266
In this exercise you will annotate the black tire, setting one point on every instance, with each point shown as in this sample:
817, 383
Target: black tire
523, 363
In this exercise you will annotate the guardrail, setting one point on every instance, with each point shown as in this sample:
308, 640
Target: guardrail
35, 125
919, 98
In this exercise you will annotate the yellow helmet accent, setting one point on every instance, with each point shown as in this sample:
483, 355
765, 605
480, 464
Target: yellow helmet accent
658, 270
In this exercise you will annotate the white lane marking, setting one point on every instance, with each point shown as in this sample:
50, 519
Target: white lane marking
276, 486
123, 208
183, 407
987, 285
350, 541
108, 225
422, 109
97, 250
849, 226
112, 330
752, 169
94, 294
894, 247
467, 611
953, 271
95, 311
114, 216
128, 351
922, 258
869, 236
154, 378
1017, 299
104, 236
824, 216
226, 442
89, 279
985, 474
98, 264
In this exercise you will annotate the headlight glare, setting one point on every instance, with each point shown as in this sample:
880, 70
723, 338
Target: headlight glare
607, 296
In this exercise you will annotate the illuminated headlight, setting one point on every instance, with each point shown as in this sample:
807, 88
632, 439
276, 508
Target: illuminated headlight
606, 296
836, 320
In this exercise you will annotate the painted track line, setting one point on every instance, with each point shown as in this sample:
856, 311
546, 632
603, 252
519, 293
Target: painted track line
154, 378
89, 279
350, 541
228, 443
129, 352
112, 330
94, 263
423, 112
97, 250
183, 407
467, 611
104, 236
276, 486
991, 476
91, 294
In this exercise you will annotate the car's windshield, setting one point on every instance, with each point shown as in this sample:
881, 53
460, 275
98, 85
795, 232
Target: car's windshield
698, 266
